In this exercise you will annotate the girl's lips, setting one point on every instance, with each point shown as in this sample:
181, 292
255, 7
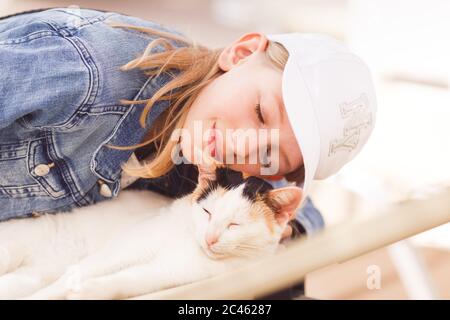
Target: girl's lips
212, 134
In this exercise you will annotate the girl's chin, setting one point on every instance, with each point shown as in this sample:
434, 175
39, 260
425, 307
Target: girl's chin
189, 156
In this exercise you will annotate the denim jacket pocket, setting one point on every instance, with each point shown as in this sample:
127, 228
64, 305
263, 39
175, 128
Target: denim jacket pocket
13, 160
45, 168
27, 170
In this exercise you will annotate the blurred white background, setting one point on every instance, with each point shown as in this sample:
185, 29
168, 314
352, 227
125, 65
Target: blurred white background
407, 46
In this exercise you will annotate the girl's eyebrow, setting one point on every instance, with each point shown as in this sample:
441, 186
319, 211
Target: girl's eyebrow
280, 106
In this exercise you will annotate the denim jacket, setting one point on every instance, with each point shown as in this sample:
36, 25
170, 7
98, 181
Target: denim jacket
60, 92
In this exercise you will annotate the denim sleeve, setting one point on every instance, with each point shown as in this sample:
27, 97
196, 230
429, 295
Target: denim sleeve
308, 216
43, 79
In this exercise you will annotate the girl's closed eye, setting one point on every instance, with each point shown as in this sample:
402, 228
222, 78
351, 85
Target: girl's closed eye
259, 113
232, 225
266, 161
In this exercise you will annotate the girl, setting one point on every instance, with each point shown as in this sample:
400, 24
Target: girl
90, 102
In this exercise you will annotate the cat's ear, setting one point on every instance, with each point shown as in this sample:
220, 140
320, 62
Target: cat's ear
286, 201
206, 166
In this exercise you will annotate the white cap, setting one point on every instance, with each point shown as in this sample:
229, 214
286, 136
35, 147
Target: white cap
330, 101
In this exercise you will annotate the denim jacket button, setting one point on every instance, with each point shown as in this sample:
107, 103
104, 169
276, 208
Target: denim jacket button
105, 190
42, 170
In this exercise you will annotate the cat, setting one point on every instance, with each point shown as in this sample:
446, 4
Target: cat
143, 242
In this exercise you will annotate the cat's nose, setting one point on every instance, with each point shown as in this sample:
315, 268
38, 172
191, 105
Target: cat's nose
211, 239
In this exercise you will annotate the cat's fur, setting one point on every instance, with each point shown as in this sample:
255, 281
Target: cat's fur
142, 241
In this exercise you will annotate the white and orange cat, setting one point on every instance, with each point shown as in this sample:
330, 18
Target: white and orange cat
143, 242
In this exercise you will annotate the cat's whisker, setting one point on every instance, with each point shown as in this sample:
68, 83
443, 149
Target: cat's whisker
241, 245
245, 253
241, 250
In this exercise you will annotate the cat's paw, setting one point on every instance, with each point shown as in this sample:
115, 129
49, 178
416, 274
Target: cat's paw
5, 260
92, 289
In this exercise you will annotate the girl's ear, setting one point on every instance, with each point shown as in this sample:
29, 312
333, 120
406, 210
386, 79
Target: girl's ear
285, 201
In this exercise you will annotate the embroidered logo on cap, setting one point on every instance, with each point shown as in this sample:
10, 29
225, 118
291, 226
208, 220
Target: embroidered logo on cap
357, 117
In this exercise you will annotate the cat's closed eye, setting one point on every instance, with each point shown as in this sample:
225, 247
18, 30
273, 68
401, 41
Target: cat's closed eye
208, 213
232, 225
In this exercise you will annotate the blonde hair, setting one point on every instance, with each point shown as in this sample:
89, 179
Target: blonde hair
197, 66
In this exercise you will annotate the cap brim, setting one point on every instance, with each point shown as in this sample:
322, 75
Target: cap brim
303, 120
